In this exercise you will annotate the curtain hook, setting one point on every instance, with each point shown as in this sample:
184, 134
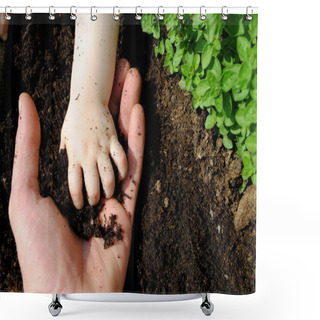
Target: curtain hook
248, 15
52, 11
224, 13
138, 16
116, 16
7, 15
180, 14
160, 15
93, 16
73, 12
203, 15
28, 13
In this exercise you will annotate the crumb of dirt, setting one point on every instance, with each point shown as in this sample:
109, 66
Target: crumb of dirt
110, 231
158, 186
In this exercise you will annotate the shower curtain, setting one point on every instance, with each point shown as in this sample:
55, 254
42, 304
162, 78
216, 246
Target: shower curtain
128, 153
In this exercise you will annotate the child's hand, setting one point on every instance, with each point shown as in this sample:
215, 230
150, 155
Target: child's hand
90, 138
88, 131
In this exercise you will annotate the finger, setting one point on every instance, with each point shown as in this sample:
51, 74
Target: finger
119, 158
136, 139
75, 184
106, 175
122, 68
92, 182
26, 158
130, 97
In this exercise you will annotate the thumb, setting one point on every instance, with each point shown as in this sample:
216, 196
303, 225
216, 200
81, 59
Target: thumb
26, 157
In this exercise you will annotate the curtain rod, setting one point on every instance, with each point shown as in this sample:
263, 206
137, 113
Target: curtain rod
133, 10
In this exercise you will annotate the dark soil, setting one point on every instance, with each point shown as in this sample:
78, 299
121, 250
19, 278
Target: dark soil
193, 231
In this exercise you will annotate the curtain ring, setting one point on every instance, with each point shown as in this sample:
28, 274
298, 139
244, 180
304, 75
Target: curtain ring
248, 15
180, 14
203, 15
224, 13
28, 13
52, 11
116, 16
138, 16
73, 15
93, 16
7, 15
160, 15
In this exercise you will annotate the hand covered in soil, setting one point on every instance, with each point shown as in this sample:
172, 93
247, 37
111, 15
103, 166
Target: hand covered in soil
52, 258
88, 131
90, 137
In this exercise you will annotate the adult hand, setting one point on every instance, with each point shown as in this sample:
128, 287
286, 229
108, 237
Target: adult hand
52, 258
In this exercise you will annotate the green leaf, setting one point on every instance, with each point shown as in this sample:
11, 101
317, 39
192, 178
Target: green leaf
211, 119
156, 29
227, 142
246, 159
229, 77
147, 23
251, 143
216, 69
222, 130
241, 118
219, 103
216, 47
251, 112
228, 58
253, 28
188, 83
202, 87
240, 94
178, 57
214, 27
208, 99
207, 55
170, 20
167, 60
234, 25
196, 79
188, 58
172, 35
243, 47
196, 21
185, 70
200, 44
196, 61
227, 104
197, 36
244, 74
252, 57
247, 172
168, 46
235, 129
161, 47
254, 179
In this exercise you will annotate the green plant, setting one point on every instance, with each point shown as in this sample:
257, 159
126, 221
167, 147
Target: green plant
217, 61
